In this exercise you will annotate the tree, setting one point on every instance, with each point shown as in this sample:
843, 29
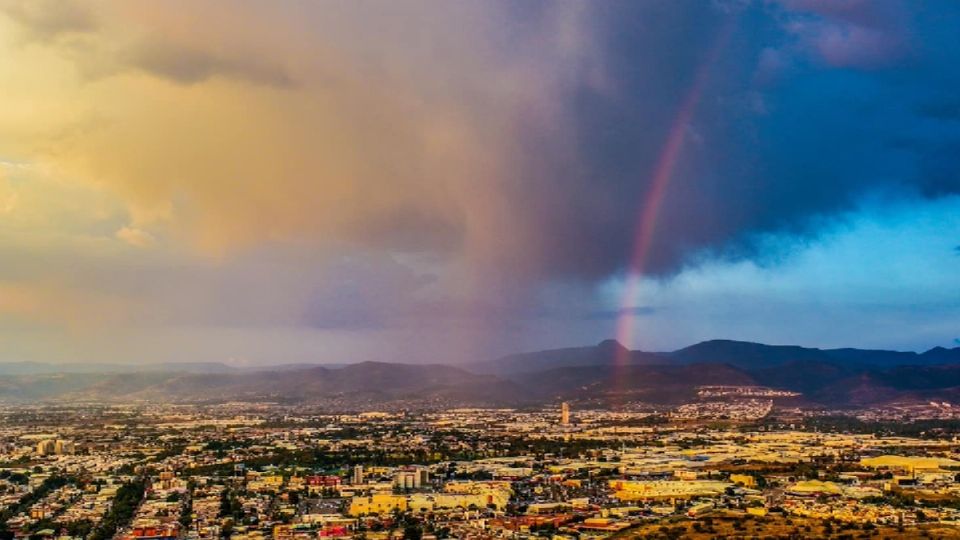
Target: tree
124, 505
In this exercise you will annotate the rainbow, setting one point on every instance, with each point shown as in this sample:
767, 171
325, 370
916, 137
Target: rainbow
650, 208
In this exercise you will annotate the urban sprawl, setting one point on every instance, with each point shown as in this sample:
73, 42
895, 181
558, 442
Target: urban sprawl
732, 468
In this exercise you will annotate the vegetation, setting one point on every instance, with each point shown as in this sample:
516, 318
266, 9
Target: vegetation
780, 527
924, 429
323, 460
121, 512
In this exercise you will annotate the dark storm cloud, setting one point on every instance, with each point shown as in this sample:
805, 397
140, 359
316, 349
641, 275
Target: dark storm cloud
186, 66
795, 123
807, 106
62, 21
364, 292
945, 108
47, 19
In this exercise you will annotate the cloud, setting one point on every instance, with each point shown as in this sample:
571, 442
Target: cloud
365, 292
187, 66
406, 148
521, 149
491, 157
851, 33
940, 109
135, 237
67, 308
8, 196
48, 19
881, 276
106, 40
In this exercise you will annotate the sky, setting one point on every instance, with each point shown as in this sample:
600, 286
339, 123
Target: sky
434, 181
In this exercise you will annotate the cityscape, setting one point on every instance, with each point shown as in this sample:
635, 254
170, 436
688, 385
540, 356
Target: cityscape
263, 470
479, 269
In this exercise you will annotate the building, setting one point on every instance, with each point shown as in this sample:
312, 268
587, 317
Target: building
910, 464
159, 531
411, 478
59, 447
62, 447
378, 503
744, 480
565, 413
603, 525
358, 475
320, 483
46, 447
636, 490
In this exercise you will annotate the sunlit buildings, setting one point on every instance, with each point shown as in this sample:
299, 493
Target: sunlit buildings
49, 447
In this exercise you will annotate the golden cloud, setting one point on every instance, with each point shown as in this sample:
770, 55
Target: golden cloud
296, 123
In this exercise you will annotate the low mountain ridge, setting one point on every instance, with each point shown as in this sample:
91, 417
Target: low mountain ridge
352, 386
751, 355
648, 383
742, 354
605, 353
606, 373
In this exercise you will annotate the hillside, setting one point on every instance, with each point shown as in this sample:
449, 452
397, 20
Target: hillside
602, 374
742, 354
655, 384
353, 386
606, 353
750, 355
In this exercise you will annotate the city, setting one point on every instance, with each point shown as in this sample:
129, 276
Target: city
249, 471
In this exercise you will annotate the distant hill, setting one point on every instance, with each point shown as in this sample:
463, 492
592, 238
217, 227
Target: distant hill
834, 377
355, 386
606, 353
805, 376
742, 354
650, 383
746, 354
941, 355
820, 383
606, 373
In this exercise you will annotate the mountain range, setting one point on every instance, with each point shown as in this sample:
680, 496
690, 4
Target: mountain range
741, 354
604, 374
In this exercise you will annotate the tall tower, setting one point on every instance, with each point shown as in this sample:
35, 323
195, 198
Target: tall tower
565, 413
358, 475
